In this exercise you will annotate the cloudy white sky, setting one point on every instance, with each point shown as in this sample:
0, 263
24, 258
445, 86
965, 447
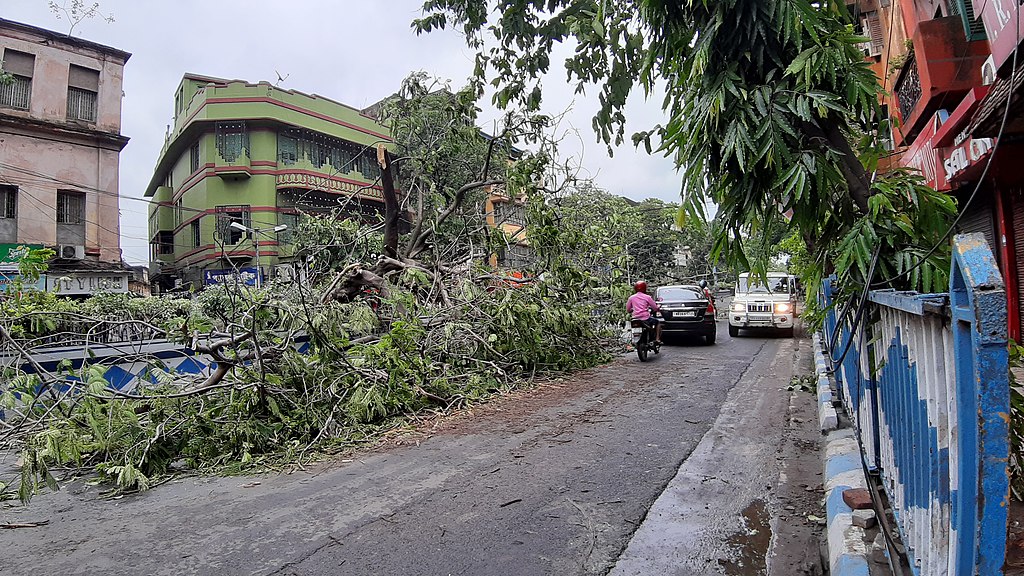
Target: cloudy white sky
353, 51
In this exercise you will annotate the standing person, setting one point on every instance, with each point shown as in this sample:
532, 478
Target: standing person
641, 305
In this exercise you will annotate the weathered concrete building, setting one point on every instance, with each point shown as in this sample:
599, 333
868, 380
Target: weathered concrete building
60, 143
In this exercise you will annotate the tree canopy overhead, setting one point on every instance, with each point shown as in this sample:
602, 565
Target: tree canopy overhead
770, 110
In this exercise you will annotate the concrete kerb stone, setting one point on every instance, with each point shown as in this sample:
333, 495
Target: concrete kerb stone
847, 550
828, 419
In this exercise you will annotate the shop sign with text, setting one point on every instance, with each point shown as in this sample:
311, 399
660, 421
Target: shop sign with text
10, 254
246, 276
84, 283
923, 156
965, 153
1003, 27
7, 280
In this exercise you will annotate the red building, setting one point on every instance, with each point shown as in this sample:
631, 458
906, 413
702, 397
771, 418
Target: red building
948, 73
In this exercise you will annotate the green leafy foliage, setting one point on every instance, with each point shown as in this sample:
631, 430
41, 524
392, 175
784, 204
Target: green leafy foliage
608, 235
770, 111
432, 329
1016, 464
368, 366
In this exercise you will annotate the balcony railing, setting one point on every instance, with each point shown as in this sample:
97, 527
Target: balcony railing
908, 89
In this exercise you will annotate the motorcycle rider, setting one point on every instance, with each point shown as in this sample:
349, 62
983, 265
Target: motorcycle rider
640, 305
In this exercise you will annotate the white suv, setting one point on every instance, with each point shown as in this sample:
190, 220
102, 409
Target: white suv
764, 307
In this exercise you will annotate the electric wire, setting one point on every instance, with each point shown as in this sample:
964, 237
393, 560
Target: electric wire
19, 182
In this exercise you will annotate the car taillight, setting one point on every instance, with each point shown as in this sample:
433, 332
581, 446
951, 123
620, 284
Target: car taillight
711, 308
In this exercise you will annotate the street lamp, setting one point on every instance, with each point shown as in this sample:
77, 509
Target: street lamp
256, 240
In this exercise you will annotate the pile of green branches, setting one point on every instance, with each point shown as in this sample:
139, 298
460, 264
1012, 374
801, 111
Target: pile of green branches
398, 320
373, 361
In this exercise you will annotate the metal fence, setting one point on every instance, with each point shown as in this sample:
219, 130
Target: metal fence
925, 383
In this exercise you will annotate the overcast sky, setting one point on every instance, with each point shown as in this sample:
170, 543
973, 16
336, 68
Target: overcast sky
356, 52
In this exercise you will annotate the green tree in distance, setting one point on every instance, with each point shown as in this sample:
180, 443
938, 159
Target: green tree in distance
603, 232
770, 109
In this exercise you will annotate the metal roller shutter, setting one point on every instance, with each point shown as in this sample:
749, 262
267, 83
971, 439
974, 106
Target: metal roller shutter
980, 217
1018, 246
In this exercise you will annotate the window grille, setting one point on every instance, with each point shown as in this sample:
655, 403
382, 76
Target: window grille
506, 213
225, 216
21, 66
517, 256
326, 152
287, 149
193, 157
83, 86
8, 201
517, 215
17, 94
196, 234
908, 88
69, 207
81, 105
232, 140
291, 220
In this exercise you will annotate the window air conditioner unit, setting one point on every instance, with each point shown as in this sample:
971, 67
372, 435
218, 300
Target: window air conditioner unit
988, 71
70, 252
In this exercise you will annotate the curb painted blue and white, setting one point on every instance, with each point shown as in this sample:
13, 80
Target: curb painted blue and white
847, 550
828, 419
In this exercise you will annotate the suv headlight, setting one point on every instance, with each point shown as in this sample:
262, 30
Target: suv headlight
783, 308
739, 307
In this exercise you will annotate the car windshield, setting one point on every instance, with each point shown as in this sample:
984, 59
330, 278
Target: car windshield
776, 285
680, 293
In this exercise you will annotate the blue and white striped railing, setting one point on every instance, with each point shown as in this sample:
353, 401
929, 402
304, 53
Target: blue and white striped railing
925, 382
126, 365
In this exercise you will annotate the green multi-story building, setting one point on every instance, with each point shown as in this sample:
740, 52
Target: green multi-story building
240, 165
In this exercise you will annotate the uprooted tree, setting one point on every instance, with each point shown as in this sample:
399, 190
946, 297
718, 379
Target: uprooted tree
400, 315
770, 112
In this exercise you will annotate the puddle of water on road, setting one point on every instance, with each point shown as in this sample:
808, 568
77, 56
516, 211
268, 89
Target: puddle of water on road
750, 545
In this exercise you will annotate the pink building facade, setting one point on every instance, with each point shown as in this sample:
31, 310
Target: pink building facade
60, 143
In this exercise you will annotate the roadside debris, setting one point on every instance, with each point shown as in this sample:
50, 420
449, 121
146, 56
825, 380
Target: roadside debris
16, 525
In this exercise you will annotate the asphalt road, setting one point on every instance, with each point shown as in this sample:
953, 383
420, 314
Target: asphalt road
697, 462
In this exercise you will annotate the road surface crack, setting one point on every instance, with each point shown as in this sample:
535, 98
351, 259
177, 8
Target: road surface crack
331, 541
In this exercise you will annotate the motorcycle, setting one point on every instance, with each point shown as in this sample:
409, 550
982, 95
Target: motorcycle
643, 340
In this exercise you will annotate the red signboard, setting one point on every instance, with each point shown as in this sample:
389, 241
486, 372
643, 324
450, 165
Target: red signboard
1003, 24
959, 160
923, 156
944, 152
959, 152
